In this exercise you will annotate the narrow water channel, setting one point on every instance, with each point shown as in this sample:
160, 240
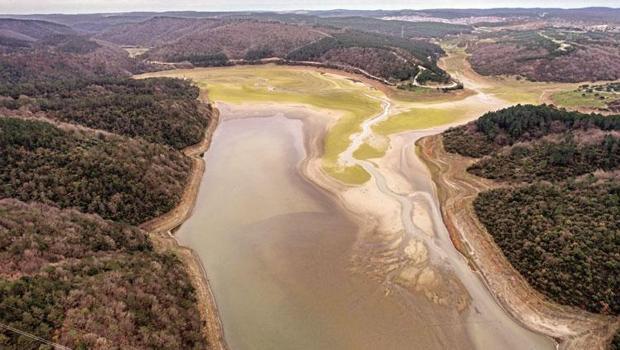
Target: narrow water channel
278, 251
487, 323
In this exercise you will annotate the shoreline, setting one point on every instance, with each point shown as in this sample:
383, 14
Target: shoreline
315, 124
161, 231
572, 328
389, 90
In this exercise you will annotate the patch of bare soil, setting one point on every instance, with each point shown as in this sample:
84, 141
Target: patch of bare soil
571, 327
161, 232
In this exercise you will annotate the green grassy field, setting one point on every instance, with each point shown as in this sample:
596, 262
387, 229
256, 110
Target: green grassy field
270, 83
575, 99
580, 99
417, 118
353, 102
508, 89
367, 151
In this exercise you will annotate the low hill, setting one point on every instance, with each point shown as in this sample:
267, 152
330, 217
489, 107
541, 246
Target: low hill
549, 55
158, 110
236, 38
156, 31
214, 42
76, 80
62, 57
403, 29
387, 49
31, 30
556, 212
85, 282
115, 177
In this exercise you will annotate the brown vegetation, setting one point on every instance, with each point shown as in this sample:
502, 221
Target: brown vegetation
377, 62
90, 283
29, 31
74, 278
157, 31
588, 58
225, 41
236, 38
573, 328
556, 216
118, 178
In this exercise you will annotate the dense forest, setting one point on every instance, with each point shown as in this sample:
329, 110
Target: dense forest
400, 66
118, 178
556, 216
552, 160
40, 65
160, 110
81, 88
92, 284
81, 143
333, 42
234, 38
406, 29
521, 123
563, 238
548, 55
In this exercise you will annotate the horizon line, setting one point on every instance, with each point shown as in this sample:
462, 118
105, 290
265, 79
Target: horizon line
302, 10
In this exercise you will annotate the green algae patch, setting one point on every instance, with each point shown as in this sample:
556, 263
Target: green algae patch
351, 175
417, 119
352, 101
367, 151
578, 99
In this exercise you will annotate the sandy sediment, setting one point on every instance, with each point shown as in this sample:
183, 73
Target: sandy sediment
364, 204
316, 123
161, 231
379, 219
456, 189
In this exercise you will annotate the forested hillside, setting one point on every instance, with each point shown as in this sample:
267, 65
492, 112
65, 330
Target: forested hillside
557, 212
158, 110
235, 38
549, 55
404, 29
156, 31
61, 57
77, 80
89, 283
28, 31
81, 144
391, 50
563, 238
342, 42
384, 56
521, 123
118, 178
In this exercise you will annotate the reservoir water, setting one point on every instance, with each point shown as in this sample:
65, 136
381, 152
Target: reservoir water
278, 253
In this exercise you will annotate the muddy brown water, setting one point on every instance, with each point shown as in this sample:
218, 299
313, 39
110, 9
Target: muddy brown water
277, 251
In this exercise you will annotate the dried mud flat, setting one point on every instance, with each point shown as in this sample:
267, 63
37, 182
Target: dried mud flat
456, 189
396, 258
161, 232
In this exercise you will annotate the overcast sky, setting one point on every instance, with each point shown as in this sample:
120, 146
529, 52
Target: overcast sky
90, 6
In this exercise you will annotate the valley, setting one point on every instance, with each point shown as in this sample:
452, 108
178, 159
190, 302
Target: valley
342, 179
392, 246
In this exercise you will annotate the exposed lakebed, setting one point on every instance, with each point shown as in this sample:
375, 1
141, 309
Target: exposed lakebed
292, 269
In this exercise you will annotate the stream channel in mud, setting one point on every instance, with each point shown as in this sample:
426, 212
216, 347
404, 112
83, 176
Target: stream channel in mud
283, 257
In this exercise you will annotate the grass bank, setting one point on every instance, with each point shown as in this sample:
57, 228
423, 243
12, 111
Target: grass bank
352, 100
